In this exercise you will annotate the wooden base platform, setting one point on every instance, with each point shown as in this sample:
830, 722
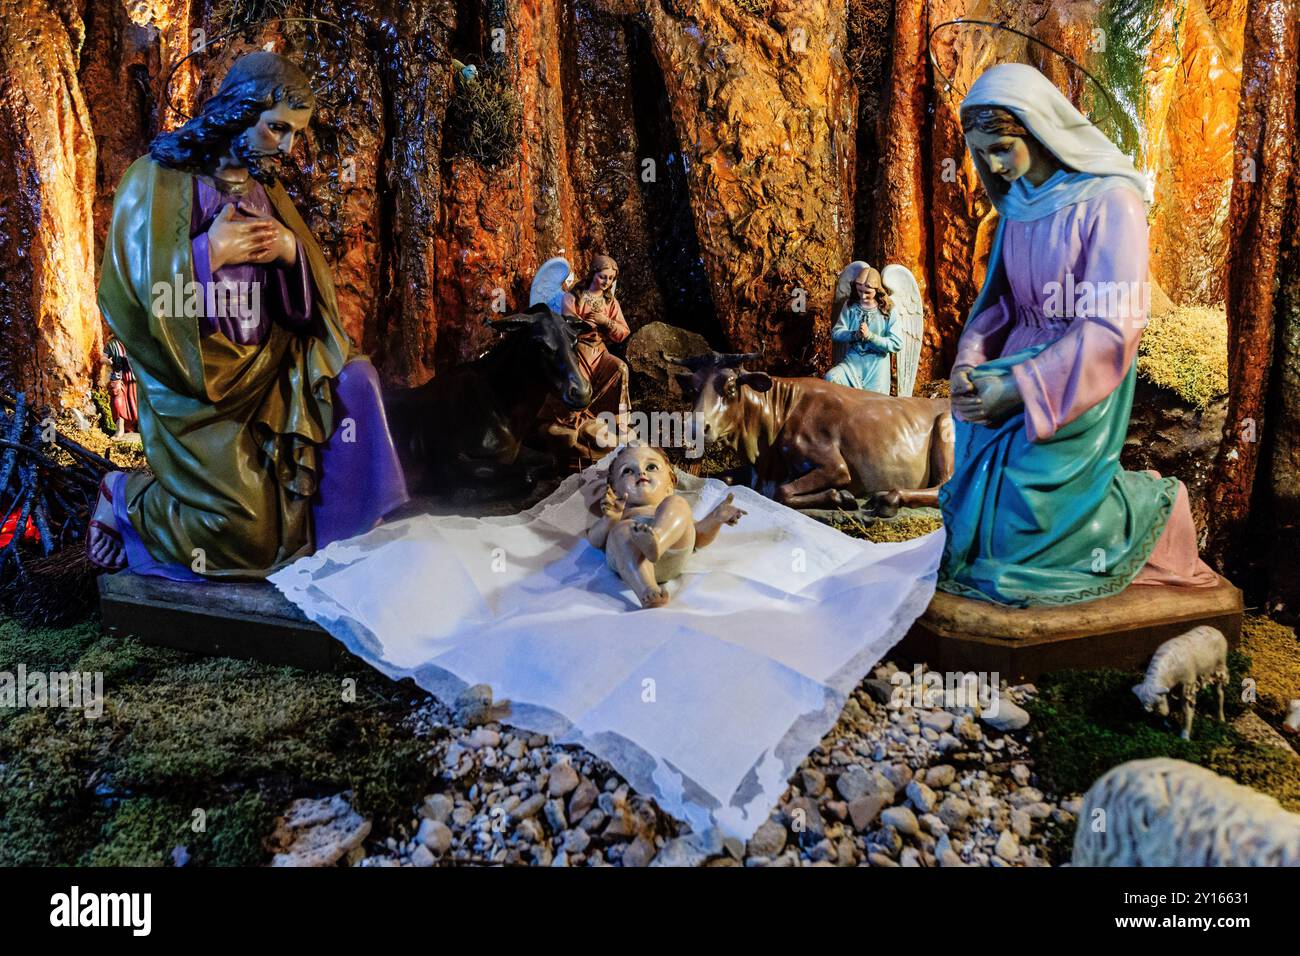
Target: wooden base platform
1020, 644
253, 620
250, 620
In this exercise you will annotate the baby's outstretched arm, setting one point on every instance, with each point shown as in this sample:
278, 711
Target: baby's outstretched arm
611, 512
707, 528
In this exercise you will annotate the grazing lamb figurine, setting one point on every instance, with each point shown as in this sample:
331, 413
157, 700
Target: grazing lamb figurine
1185, 664
1165, 812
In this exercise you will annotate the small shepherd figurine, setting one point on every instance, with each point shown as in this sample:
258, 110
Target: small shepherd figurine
645, 528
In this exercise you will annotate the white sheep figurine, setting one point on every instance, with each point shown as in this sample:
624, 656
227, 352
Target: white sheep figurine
1165, 812
1185, 664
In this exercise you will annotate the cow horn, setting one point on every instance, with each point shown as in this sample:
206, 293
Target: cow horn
711, 359
732, 359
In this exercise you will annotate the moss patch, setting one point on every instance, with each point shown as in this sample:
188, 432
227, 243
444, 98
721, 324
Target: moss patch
1186, 350
1089, 721
199, 753
908, 525
1275, 652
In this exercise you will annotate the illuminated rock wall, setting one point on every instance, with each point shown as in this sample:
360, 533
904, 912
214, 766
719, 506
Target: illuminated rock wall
49, 324
783, 137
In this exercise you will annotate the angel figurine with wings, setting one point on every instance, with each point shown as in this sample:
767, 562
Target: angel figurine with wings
876, 316
593, 305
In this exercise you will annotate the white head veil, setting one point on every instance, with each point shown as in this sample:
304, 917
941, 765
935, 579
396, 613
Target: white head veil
1093, 163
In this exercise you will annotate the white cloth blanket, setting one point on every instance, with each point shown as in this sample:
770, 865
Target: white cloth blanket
708, 704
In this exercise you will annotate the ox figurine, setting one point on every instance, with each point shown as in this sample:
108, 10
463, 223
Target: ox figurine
466, 427
815, 444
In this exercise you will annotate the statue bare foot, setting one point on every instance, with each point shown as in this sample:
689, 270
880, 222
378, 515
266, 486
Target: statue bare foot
655, 597
103, 539
646, 540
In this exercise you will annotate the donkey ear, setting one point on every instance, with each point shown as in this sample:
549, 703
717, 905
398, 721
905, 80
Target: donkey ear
758, 381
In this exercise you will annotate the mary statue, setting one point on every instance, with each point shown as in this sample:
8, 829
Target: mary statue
1039, 510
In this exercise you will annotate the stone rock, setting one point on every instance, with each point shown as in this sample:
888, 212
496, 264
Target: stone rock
864, 810
932, 824
949, 857
1024, 796
651, 376
436, 836
685, 851
1007, 717
530, 831
857, 781
555, 819
564, 780
880, 859
937, 720
954, 811
583, 799
576, 841
1008, 847
422, 856
940, 777
437, 806
813, 782
922, 797
529, 807
768, 840
640, 852
1020, 774
318, 832
482, 737
901, 819
846, 852
805, 820
1022, 824
899, 774
881, 691
474, 706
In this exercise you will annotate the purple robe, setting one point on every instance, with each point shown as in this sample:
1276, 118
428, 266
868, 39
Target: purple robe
361, 478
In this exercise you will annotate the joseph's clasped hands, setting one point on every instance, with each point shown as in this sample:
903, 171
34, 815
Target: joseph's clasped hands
238, 237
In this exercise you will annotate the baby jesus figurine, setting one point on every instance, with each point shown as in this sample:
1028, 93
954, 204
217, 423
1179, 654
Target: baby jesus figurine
645, 528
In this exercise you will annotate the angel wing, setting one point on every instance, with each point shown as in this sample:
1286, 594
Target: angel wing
909, 315
554, 276
843, 289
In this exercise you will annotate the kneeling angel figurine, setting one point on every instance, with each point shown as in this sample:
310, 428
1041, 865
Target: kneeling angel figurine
645, 528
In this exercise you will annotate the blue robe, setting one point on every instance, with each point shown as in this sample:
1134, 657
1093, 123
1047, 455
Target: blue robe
865, 364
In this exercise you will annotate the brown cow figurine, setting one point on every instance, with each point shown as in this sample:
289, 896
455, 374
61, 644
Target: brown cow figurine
815, 444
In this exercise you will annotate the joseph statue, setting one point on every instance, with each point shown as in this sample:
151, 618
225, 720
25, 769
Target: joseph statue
263, 428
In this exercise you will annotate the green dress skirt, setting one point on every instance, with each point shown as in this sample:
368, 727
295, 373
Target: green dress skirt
1049, 522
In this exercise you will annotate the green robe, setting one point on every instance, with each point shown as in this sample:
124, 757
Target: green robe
233, 433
